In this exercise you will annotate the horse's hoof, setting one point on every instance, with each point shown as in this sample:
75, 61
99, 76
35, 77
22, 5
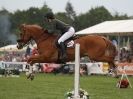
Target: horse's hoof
28, 76
32, 78
115, 76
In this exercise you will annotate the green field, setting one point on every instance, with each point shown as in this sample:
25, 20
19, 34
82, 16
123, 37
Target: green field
49, 86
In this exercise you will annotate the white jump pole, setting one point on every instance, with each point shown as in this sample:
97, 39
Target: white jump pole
77, 66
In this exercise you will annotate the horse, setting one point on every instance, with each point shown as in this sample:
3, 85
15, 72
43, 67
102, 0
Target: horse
97, 48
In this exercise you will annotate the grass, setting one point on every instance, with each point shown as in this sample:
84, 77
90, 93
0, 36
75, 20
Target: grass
49, 86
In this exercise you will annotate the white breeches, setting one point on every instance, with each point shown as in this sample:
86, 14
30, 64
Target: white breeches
67, 35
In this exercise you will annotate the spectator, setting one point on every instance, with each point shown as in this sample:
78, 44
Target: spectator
124, 55
28, 51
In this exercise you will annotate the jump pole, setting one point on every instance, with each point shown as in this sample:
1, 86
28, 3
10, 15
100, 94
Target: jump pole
77, 76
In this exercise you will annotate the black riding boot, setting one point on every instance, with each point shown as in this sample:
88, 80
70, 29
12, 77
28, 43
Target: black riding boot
63, 52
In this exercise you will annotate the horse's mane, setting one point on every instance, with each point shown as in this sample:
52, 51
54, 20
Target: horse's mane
34, 25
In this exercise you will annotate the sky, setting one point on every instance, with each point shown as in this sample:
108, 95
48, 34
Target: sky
80, 6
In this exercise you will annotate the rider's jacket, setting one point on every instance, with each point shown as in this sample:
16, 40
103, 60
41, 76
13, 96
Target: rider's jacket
56, 26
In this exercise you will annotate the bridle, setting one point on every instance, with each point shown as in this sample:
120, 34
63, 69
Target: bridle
21, 41
41, 37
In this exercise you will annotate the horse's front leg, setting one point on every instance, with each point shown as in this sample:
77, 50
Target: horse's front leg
34, 59
31, 72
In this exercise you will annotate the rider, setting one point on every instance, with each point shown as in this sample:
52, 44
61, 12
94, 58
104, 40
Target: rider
64, 29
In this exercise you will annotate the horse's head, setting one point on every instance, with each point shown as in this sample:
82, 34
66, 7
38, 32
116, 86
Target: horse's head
25, 36
29, 32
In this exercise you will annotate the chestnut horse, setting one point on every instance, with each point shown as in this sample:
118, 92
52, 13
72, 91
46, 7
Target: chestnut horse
97, 48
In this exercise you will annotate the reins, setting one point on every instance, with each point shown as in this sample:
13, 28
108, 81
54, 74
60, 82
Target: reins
43, 36
38, 37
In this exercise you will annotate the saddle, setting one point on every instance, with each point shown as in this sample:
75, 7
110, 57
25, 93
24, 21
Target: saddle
71, 39
69, 43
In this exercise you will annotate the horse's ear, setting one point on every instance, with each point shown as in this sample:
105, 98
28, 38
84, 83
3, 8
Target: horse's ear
22, 27
44, 30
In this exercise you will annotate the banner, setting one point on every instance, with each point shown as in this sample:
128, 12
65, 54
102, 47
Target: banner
105, 68
14, 65
125, 67
94, 68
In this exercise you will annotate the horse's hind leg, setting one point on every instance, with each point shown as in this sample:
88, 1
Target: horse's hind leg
112, 65
113, 68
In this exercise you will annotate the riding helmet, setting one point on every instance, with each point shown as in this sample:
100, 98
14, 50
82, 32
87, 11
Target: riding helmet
49, 15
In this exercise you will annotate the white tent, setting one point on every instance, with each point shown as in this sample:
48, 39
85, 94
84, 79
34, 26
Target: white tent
114, 28
10, 48
118, 27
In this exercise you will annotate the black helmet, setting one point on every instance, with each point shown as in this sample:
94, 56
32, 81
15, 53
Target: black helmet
49, 15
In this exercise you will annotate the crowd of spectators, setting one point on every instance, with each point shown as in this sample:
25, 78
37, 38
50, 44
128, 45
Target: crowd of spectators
12, 56
18, 56
126, 54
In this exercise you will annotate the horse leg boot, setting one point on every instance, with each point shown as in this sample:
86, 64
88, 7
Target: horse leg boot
114, 69
63, 52
30, 74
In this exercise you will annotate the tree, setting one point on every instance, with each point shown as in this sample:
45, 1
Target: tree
117, 16
92, 17
63, 17
70, 11
98, 15
81, 22
71, 14
31, 16
36, 16
44, 9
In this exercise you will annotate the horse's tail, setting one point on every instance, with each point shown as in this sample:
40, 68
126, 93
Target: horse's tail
110, 50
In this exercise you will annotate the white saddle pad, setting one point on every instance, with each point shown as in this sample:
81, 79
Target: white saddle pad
70, 44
